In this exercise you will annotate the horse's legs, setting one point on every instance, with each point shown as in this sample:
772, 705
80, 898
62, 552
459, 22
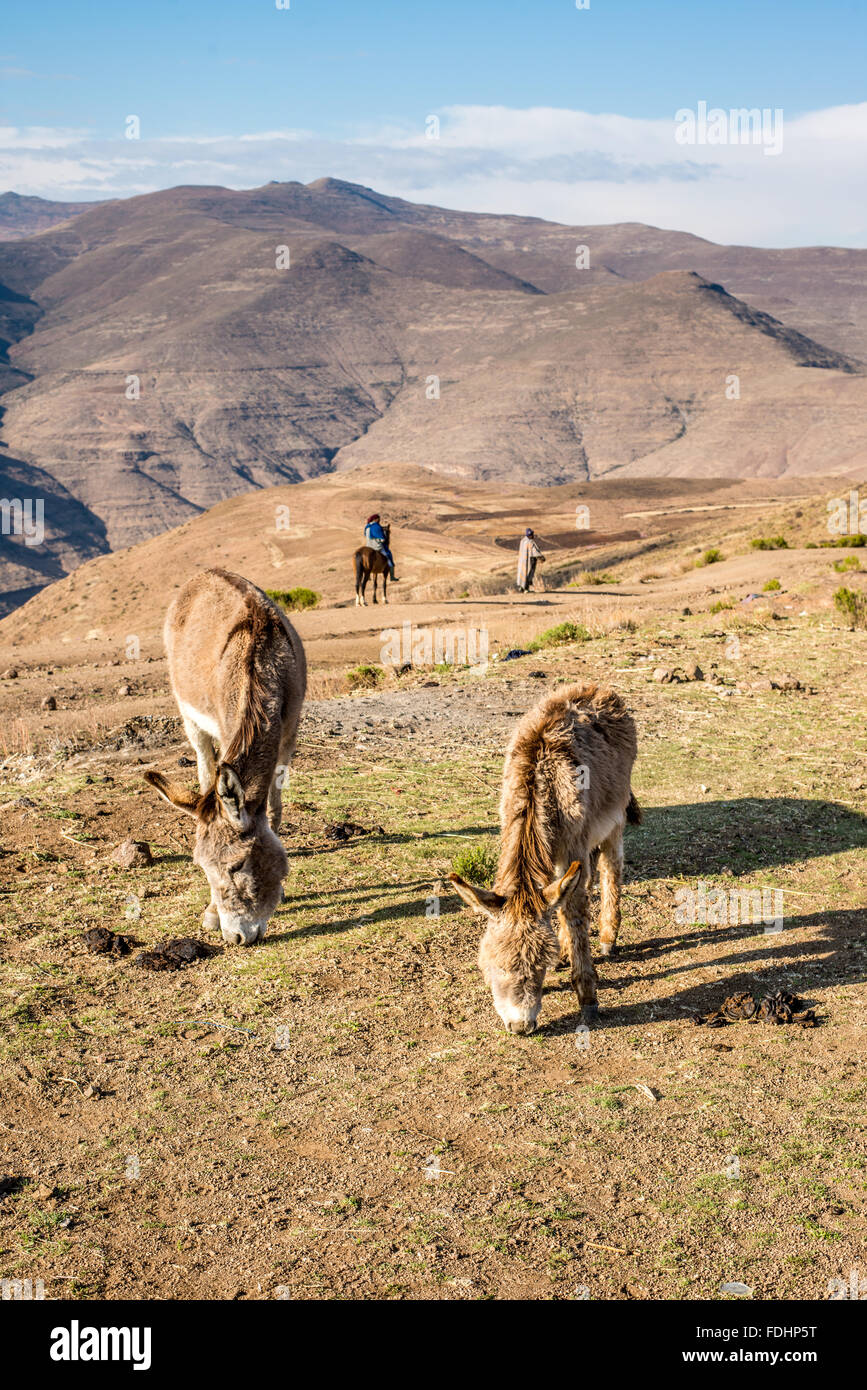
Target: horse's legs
362, 585
384, 589
374, 586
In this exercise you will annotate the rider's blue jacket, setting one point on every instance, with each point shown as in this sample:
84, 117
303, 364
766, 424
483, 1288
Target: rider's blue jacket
374, 532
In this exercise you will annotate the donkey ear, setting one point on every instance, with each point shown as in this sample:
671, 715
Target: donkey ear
230, 795
481, 900
171, 792
556, 890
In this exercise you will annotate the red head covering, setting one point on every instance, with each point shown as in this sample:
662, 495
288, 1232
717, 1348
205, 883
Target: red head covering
375, 517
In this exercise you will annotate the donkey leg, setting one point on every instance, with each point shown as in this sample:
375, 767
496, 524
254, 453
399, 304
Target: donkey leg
206, 762
610, 879
576, 915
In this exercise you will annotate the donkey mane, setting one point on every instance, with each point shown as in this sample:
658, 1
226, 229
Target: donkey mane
259, 628
529, 834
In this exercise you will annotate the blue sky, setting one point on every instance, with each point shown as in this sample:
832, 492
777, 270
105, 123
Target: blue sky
351, 83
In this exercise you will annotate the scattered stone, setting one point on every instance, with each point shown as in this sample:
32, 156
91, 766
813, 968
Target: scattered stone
184, 761
133, 854
124, 689
694, 672
100, 942
175, 954
49, 702
538, 675
686, 612
789, 683
663, 675
10, 674
514, 654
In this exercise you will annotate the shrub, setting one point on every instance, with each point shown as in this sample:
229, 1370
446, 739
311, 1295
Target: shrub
558, 636
846, 542
365, 677
770, 543
852, 605
710, 557
771, 586
595, 577
721, 604
477, 862
849, 562
294, 600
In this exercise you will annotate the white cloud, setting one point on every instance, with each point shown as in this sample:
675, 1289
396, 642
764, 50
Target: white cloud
569, 166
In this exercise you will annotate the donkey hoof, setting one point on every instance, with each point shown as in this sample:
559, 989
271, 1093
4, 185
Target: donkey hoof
608, 948
590, 1014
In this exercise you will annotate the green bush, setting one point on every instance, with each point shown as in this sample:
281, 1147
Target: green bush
770, 543
365, 677
722, 604
558, 636
294, 600
771, 586
846, 542
710, 557
478, 863
849, 562
852, 605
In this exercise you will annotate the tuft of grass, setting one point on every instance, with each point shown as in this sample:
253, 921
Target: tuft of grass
849, 562
852, 605
710, 557
294, 600
558, 636
722, 604
771, 586
770, 543
365, 677
477, 862
594, 577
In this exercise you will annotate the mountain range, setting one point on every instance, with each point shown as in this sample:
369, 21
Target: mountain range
161, 353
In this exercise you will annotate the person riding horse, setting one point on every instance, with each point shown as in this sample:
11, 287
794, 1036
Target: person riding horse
374, 537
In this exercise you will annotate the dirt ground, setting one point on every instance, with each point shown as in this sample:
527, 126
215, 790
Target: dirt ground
337, 1112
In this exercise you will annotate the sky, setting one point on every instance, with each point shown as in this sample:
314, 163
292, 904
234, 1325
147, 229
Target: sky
580, 115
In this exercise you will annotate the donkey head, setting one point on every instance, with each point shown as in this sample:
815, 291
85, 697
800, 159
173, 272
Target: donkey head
518, 947
242, 858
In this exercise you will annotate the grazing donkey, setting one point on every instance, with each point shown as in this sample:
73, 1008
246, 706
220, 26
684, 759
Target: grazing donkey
566, 791
238, 674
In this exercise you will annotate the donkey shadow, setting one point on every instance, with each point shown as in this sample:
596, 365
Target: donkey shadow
747, 835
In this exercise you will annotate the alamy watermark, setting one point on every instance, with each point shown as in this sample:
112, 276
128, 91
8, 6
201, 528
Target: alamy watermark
25, 519
425, 646
739, 126
730, 907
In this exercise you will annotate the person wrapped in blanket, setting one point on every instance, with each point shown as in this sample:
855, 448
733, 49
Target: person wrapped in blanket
529, 555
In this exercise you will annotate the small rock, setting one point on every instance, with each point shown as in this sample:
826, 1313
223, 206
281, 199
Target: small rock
49, 702
124, 689
687, 612
663, 675
133, 854
10, 674
694, 672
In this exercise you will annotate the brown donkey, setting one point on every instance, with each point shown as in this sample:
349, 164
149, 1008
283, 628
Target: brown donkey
238, 674
566, 792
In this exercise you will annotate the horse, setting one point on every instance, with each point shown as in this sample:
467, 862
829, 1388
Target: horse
371, 562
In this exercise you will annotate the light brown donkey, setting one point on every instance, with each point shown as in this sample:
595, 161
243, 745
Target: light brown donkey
238, 674
566, 791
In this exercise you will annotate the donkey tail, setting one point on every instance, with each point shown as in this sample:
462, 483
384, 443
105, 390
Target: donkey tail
634, 813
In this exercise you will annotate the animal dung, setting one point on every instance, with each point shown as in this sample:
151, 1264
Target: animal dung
781, 1007
176, 953
346, 830
102, 942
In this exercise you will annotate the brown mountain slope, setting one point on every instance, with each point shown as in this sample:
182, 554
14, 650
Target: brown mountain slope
22, 215
157, 360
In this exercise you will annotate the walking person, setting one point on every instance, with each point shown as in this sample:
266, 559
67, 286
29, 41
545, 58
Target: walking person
529, 555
